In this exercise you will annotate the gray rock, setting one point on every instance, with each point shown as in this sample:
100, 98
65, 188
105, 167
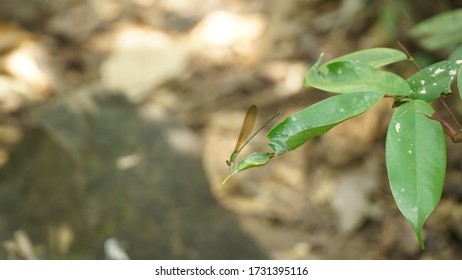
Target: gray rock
91, 164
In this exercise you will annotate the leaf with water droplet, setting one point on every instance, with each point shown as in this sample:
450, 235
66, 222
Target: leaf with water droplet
432, 81
416, 162
375, 57
315, 120
354, 76
296, 130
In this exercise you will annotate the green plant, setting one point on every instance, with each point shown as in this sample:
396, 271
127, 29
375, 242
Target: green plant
441, 32
415, 143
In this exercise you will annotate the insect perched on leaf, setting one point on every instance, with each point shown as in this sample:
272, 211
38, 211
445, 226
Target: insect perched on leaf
246, 129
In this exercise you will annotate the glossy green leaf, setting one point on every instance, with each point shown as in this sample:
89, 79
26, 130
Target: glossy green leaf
441, 31
375, 57
252, 160
319, 118
432, 81
353, 76
416, 162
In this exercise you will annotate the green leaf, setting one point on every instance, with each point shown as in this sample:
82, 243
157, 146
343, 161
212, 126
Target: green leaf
456, 53
353, 76
319, 118
375, 57
442, 41
416, 162
432, 81
441, 31
252, 160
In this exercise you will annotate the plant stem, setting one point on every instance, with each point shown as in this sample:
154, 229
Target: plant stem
409, 56
450, 113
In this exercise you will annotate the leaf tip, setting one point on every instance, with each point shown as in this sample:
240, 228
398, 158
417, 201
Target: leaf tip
226, 179
421, 242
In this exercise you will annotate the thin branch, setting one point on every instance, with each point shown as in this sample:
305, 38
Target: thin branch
453, 117
408, 54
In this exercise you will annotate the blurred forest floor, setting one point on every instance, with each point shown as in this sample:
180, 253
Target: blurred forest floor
193, 68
